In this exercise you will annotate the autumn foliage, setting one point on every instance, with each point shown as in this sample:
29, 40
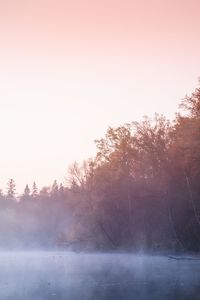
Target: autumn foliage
140, 192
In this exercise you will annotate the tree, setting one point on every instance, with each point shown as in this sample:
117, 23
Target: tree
11, 189
191, 104
45, 192
34, 190
1, 193
55, 189
27, 191
61, 189
185, 172
130, 177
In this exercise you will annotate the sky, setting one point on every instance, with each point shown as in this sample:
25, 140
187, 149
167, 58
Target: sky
70, 69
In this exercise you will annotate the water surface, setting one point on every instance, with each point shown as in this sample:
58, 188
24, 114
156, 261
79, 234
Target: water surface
49, 275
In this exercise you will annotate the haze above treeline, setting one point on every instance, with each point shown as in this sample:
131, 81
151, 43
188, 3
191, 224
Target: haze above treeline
140, 192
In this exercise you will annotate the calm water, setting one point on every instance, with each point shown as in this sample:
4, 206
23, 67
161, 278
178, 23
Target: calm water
45, 276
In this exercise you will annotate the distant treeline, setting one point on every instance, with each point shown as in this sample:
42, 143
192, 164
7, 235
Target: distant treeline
140, 192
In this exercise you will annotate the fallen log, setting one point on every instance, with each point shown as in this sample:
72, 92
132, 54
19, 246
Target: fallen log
183, 258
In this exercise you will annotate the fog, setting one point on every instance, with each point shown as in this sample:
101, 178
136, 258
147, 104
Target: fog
63, 275
140, 193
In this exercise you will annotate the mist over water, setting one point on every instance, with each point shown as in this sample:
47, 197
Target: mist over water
61, 275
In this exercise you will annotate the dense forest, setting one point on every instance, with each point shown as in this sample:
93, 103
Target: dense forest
141, 192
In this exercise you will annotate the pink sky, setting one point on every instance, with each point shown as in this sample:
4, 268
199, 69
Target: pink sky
69, 69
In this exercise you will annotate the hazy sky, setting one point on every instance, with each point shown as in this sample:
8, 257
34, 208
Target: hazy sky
69, 69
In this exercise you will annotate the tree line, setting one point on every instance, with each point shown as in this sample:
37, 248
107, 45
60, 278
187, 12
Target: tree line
141, 191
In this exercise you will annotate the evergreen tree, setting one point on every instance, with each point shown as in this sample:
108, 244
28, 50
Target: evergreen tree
34, 190
11, 189
61, 189
27, 191
55, 188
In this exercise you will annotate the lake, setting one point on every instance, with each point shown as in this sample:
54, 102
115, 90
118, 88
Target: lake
60, 275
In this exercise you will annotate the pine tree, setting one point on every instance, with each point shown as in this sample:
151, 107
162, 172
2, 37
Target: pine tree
34, 190
11, 189
61, 189
27, 191
54, 188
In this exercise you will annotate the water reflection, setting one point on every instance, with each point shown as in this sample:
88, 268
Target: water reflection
61, 276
